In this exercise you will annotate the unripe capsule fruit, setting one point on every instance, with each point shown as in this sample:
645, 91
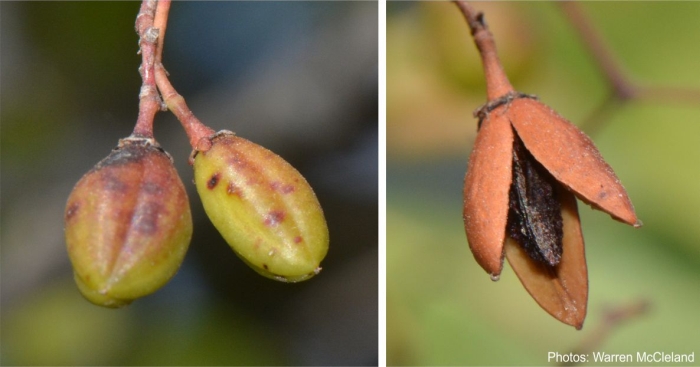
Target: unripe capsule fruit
263, 207
128, 224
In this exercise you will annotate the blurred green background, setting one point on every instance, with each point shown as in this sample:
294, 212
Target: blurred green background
442, 308
299, 78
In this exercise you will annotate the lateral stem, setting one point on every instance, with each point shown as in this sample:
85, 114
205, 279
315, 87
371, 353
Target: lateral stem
198, 133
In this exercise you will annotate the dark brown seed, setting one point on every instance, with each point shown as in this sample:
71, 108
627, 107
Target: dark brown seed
534, 218
561, 290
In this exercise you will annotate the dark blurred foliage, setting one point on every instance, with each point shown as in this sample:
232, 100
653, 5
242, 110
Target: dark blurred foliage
299, 78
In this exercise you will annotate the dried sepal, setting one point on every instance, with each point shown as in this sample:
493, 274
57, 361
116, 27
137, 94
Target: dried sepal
486, 192
561, 290
571, 157
263, 207
127, 224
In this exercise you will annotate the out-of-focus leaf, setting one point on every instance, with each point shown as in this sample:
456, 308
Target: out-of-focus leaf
58, 327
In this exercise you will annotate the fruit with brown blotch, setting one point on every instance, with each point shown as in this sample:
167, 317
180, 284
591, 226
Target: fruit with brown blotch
263, 207
127, 224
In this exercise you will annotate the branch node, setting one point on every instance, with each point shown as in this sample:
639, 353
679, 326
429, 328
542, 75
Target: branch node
150, 35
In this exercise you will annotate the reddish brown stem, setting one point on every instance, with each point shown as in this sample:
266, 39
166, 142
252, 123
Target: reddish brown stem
198, 133
161, 23
149, 101
497, 83
613, 319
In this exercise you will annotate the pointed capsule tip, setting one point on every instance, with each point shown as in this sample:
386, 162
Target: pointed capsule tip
495, 277
638, 224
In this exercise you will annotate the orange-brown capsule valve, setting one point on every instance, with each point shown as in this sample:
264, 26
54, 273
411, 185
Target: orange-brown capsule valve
504, 208
486, 189
127, 224
263, 207
571, 157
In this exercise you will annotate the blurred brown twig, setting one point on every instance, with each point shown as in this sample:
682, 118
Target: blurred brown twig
623, 89
613, 318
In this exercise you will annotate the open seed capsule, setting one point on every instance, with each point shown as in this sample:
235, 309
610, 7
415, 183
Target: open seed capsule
263, 207
128, 224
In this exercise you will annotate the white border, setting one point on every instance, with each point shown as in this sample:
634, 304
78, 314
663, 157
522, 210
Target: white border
381, 201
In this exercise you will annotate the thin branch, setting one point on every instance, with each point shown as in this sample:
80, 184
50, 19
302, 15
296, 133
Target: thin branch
197, 132
613, 318
595, 121
686, 96
497, 83
149, 100
623, 89
622, 86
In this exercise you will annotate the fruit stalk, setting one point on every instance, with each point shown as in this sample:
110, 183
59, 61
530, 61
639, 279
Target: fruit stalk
497, 83
198, 133
149, 100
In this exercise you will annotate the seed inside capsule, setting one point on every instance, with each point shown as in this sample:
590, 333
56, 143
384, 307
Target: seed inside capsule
534, 218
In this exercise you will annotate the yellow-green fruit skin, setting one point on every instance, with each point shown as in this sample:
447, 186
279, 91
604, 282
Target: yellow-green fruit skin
263, 207
127, 224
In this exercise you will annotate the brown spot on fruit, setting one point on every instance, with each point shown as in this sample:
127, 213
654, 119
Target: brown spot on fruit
72, 209
152, 188
265, 266
113, 183
298, 239
213, 181
274, 217
238, 162
145, 219
280, 187
232, 189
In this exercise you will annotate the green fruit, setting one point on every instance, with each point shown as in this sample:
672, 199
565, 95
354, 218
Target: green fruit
263, 207
128, 224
